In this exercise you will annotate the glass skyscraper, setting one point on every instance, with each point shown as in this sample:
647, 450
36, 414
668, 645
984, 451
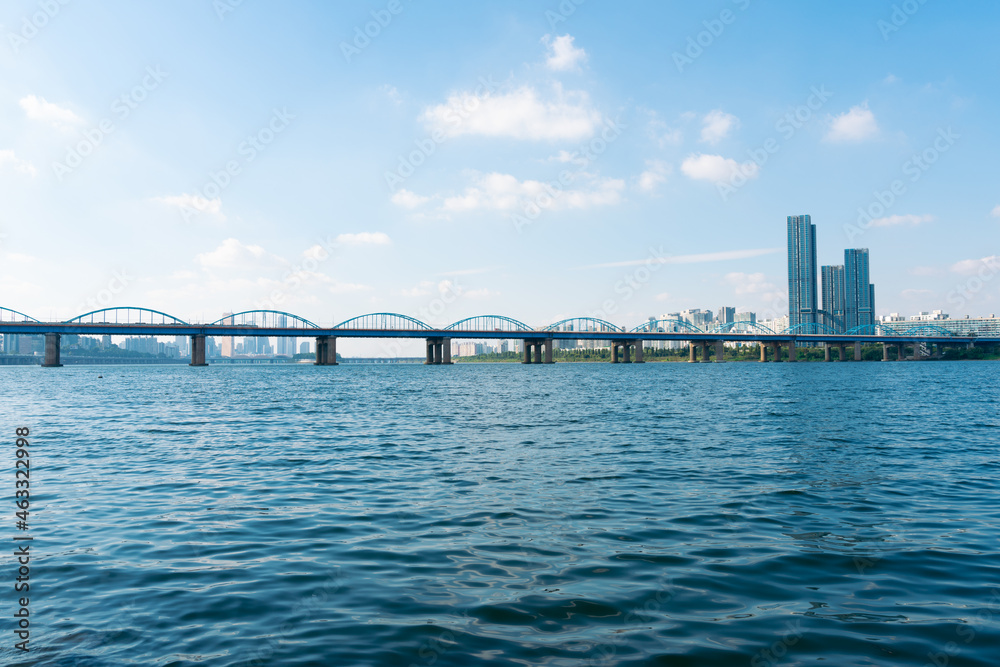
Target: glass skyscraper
834, 293
803, 304
859, 293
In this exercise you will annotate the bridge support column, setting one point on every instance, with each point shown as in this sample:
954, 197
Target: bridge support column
918, 354
446, 351
638, 352
52, 359
326, 351
777, 351
706, 355
885, 352
857, 350
538, 353
793, 353
843, 352
438, 353
197, 350
693, 358
548, 350
763, 352
901, 352
430, 352
720, 352
626, 352
826, 352
614, 352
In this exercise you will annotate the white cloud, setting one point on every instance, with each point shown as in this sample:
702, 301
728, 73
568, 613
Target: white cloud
996, 212
663, 296
7, 157
563, 56
716, 168
916, 293
408, 199
232, 254
503, 192
891, 79
970, 267
392, 93
897, 220
690, 259
663, 134
38, 109
655, 175
189, 204
364, 238
519, 114
348, 288
857, 124
716, 126
750, 283
926, 271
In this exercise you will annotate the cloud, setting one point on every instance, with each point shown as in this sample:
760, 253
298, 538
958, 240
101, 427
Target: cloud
716, 168
348, 288
996, 212
716, 125
189, 204
750, 283
970, 267
655, 175
407, 199
857, 124
891, 79
7, 157
690, 259
38, 109
519, 114
364, 238
916, 293
926, 271
232, 254
562, 55
661, 133
897, 220
392, 93
503, 192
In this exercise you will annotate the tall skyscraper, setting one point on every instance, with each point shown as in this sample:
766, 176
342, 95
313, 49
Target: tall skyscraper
858, 292
833, 296
803, 304
727, 315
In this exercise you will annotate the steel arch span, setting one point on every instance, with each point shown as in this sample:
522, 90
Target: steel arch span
667, 326
489, 323
385, 322
810, 328
125, 315
873, 330
751, 328
10, 315
925, 330
585, 324
265, 319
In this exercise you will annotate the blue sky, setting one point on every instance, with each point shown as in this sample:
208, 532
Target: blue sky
514, 158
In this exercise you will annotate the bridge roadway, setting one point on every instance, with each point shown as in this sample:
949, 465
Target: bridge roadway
538, 344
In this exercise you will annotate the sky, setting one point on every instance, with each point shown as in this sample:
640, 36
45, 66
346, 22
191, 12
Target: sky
540, 160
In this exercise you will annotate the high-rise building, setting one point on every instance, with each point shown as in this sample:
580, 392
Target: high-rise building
833, 297
227, 341
803, 304
858, 290
727, 315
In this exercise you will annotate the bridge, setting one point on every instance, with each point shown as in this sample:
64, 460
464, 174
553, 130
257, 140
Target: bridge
626, 344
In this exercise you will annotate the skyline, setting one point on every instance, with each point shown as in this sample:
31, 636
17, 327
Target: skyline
222, 173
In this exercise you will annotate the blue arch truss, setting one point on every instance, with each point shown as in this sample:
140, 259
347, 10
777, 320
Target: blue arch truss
750, 328
810, 328
11, 315
667, 326
125, 315
384, 322
489, 323
586, 324
269, 319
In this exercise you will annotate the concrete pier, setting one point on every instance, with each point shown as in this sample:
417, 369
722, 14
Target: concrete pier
720, 351
777, 351
901, 352
857, 351
763, 352
197, 350
793, 353
826, 352
638, 352
438, 352
693, 358
918, 353
52, 359
326, 351
843, 352
706, 355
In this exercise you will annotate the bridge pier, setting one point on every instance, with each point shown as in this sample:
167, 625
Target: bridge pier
720, 352
693, 358
901, 352
548, 350
533, 351
638, 352
777, 350
438, 352
918, 354
885, 352
614, 352
446, 351
857, 350
826, 352
705, 354
843, 352
198, 350
793, 353
326, 351
763, 352
52, 359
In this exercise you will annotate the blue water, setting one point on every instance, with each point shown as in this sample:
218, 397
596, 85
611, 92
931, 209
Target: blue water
589, 514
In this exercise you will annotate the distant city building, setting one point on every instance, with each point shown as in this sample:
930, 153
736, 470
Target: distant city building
228, 349
833, 297
727, 315
858, 290
803, 304
749, 318
304, 347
